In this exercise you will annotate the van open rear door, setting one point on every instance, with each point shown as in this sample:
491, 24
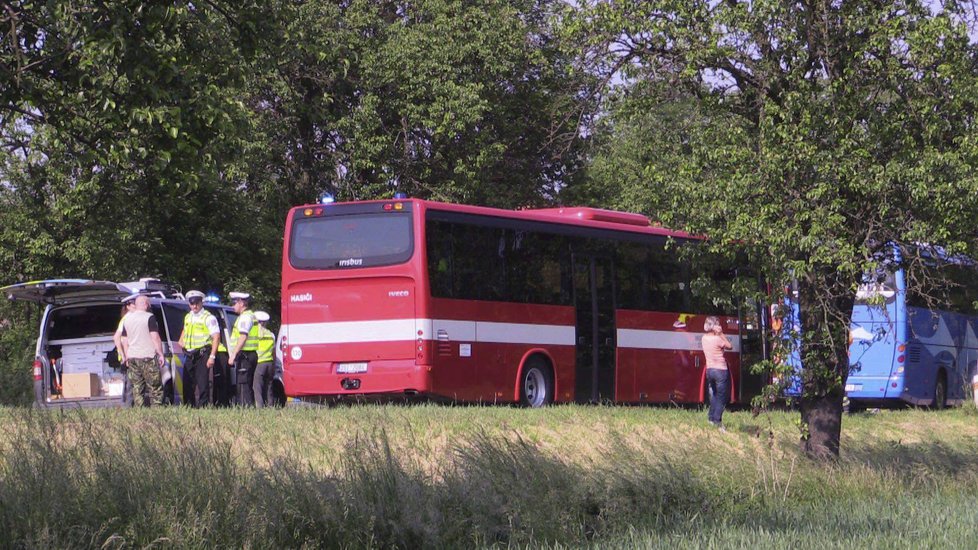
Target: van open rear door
73, 363
64, 291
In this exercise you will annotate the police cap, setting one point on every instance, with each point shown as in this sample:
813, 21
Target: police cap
261, 316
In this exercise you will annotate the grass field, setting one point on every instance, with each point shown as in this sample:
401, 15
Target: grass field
438, 476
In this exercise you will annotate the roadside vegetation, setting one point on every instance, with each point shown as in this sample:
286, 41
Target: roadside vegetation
440, 476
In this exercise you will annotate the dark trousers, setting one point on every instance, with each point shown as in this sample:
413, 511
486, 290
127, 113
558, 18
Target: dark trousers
718, 380
197, 378
126, 387
245, 363
223, 388
263, 383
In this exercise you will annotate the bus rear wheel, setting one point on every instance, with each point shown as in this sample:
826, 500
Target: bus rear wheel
940, 391
536, 384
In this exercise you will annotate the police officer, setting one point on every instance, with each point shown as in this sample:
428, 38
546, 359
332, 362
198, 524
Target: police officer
244, 346
200, 338
266, 361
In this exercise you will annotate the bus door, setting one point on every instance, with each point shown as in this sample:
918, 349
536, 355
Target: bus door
753, 349
594, 301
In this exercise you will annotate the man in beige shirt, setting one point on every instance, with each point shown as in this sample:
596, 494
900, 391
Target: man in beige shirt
142, 352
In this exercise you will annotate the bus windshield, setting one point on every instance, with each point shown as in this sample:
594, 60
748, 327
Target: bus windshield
356, 240
876, 285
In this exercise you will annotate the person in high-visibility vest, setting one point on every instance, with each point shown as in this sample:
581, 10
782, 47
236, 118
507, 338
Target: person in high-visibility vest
266, 361
244, 346
199, 338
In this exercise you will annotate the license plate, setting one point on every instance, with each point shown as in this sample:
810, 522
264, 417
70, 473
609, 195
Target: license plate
854, 387
351, 368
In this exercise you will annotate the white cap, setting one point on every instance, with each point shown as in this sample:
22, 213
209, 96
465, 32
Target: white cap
261, 316
195, 294
239, 295
131, 298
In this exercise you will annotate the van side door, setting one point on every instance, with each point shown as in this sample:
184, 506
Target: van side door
173, 314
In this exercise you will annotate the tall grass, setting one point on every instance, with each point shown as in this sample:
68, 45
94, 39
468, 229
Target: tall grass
429, 476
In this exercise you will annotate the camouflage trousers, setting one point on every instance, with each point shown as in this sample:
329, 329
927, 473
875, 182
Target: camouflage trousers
145, 380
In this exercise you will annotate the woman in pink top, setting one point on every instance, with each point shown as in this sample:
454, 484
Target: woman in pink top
717, 377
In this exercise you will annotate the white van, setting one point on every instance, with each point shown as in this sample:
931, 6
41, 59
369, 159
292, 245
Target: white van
76, 363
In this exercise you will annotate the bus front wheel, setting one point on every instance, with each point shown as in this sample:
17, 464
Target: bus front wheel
536, 384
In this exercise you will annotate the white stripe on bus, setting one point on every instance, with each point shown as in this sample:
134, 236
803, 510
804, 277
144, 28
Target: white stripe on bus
390, 330
498, 333
665, 339
395, 330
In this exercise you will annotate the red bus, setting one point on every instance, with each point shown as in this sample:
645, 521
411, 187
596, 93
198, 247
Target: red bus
480, 304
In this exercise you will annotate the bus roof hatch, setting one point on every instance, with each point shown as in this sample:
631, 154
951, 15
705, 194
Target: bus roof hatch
597, 214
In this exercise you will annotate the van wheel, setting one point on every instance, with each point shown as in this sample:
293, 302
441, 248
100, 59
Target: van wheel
940, 391
536, 384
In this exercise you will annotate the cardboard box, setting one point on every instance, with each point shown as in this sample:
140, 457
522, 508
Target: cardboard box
80, 385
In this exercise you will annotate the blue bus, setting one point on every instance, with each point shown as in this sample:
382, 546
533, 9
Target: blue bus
906, 346
912, 347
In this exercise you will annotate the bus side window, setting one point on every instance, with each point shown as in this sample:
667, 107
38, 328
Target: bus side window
632, 276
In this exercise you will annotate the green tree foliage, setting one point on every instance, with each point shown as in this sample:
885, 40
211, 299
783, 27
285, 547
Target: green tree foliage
464, 101
120, 126
811, 133
169, 139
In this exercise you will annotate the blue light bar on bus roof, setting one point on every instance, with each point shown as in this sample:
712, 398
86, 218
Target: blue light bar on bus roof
327, 198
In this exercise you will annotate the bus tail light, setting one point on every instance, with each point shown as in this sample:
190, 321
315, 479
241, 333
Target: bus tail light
38, 370
283, 343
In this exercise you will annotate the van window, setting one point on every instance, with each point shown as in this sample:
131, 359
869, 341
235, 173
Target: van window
174, 314
158, 313
84, 321
232, 318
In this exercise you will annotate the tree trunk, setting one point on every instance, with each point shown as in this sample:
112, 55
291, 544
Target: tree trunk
823, 418
826, 305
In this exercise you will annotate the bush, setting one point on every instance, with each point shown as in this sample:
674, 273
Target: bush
18, 337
